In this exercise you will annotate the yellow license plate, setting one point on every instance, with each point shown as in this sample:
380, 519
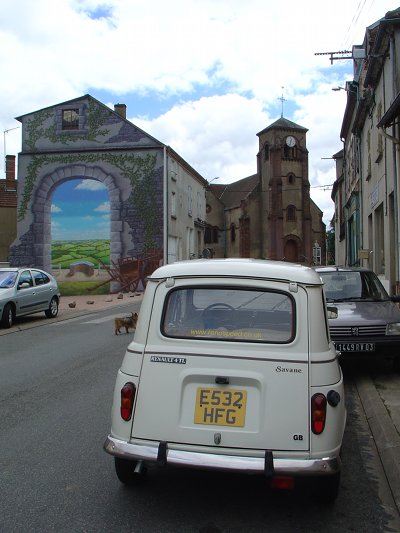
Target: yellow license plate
220, 407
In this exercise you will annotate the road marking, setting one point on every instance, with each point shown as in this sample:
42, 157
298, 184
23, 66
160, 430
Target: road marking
101, 320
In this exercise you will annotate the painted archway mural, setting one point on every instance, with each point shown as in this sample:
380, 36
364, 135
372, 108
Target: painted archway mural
105, 147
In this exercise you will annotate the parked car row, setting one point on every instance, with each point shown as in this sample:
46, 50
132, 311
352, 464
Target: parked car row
24, 291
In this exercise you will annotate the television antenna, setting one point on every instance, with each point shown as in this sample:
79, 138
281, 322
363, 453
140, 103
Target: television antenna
4, 143
334, 56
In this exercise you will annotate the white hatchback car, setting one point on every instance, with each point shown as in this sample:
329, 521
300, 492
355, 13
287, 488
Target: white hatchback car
231, 368
24, 291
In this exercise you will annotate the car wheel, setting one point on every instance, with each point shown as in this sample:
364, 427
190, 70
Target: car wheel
52, 311
327, 488
125, 471
8, 316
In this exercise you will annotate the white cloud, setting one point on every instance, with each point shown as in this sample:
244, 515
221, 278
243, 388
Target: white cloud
105, 206
221, 63
216, 135
55, 209
90, 185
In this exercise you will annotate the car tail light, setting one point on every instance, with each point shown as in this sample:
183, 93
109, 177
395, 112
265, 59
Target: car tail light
127, 398
318, 413
282, 482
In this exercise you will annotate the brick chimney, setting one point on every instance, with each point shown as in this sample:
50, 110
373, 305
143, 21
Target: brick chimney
120, 109
11, 184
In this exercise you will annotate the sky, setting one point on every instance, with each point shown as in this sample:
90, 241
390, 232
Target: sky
202, 76
80, 210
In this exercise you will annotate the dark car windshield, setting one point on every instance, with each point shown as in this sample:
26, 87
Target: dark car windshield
353, 285
7, 279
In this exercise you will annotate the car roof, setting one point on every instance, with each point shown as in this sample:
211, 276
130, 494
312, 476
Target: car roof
240, 268
341, 269
17, 269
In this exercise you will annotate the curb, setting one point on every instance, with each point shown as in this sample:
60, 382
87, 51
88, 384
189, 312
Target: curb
386, 437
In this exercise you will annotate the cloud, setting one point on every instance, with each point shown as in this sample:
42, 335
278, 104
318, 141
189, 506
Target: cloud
90, 185
55, 209
213, 70
105, 206
216, 135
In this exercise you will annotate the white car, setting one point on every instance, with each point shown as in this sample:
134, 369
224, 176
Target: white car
24, 291
231, 368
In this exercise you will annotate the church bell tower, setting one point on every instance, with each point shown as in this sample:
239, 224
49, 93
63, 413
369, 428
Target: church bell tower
285, 213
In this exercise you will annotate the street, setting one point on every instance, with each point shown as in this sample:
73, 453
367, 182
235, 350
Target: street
56, 384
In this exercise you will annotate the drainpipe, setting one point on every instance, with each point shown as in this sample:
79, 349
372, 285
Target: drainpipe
165, 205
393, 59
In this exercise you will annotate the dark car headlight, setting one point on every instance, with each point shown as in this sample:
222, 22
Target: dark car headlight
393, 329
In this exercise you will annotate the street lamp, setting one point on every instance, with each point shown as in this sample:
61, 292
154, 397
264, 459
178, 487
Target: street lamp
350, 88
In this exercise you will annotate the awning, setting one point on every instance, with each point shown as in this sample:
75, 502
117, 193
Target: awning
391, 114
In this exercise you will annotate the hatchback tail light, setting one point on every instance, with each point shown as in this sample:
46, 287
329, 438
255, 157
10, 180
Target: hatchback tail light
318, 413
128, 392
282, 482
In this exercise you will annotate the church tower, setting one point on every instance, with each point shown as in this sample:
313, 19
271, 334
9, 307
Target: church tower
285, 211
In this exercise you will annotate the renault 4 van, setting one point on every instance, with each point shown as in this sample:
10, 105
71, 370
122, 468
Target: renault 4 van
231, 369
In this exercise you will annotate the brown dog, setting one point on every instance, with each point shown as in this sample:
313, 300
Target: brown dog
126, 322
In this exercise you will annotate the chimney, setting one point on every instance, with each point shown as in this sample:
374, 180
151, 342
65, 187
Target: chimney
11, 184
120, 109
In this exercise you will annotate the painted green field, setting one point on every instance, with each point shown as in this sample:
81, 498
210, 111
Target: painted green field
63, 253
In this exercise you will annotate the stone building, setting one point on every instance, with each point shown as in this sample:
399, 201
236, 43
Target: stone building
269, 214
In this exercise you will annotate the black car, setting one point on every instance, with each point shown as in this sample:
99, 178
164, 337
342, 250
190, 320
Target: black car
362, 317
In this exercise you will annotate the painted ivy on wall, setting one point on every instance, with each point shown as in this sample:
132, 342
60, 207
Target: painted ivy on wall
138, 169
96, 117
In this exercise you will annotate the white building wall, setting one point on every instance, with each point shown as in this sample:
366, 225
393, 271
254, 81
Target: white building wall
186, 211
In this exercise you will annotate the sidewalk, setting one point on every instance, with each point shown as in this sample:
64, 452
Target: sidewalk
381, 403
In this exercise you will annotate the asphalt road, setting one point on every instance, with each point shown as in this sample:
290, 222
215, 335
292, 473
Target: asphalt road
56, 383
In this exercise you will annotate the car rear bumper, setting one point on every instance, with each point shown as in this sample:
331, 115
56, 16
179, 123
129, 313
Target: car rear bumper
160, 454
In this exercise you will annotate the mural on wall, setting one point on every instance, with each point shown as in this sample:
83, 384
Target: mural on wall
80, 226
117, 169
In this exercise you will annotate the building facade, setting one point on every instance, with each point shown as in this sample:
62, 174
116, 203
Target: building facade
157, 200
366, 189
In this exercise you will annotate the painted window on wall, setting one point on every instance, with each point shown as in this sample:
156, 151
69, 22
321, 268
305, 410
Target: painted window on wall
70, 119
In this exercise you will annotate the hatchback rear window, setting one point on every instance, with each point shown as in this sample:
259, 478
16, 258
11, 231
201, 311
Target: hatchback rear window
229, 314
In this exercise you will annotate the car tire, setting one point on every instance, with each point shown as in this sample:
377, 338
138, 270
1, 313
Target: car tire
52, 311
125, 471
7, 318
327, 488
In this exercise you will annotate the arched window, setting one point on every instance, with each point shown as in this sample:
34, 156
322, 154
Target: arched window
291, 179
207, 235
233, 233
291, 212
215, 233
211, 234
266, 152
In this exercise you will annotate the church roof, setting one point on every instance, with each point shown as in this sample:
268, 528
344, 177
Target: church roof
283, 124
232, 194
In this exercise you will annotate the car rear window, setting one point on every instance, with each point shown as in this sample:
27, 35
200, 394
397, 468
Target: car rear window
229, 314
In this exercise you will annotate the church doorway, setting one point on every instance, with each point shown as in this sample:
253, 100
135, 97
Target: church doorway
291, 252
